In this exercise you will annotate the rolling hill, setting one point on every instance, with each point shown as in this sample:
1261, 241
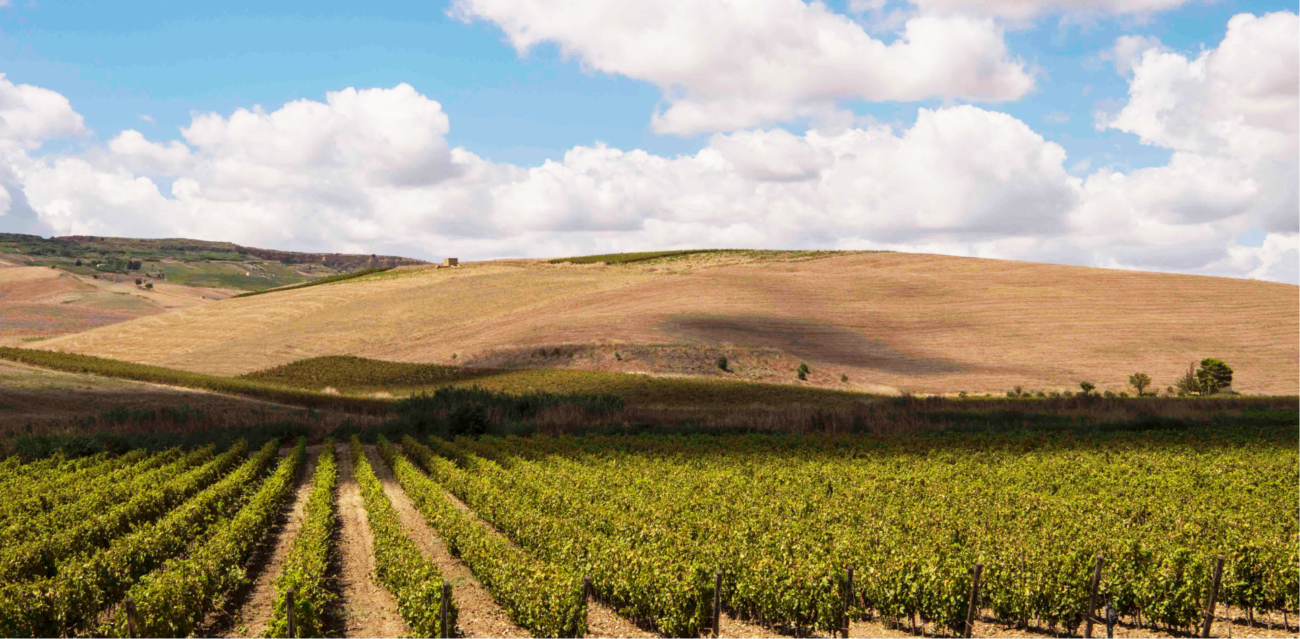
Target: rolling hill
54, 286
875, 322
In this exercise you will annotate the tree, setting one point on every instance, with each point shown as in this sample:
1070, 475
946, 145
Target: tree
1087, 387
1213, 376
1139, 381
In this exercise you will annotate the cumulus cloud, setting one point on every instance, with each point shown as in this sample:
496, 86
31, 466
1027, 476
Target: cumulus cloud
1230, 116
728, 66
30, 115
1023, 9
371, 171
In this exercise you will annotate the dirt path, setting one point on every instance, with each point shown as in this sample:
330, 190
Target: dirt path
258, 605
480, 615
368, 609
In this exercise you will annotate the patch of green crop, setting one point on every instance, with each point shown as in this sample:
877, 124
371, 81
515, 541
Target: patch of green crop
74, 363
361, 375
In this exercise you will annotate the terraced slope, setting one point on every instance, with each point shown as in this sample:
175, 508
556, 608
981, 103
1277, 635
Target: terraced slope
884, 321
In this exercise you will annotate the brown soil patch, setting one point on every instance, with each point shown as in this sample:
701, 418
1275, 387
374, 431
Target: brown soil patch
479, 615
906, 322
367, 609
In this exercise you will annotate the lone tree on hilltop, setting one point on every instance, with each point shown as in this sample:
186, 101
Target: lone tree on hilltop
1214, 375
1087, 387
1139, 381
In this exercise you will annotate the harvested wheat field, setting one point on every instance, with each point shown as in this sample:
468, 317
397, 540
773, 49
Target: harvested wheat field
887, 322
38, 302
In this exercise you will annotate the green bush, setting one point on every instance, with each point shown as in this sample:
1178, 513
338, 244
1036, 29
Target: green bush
844, 378
1087, 387
1213, 376
1139, 381
722, 363
803, 368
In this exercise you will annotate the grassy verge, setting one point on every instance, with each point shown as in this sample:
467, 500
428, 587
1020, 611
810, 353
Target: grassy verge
361, 375
156, 374
323, 280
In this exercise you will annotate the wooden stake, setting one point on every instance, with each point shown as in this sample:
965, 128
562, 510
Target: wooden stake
848, 600
129, 603
1092, 598
446, 610
974, 601
1214, 597
717, 604
288, 605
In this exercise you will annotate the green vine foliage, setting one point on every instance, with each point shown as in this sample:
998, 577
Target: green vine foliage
307, 564
173, 601
543, 597
415, 583
782, 517
86, 583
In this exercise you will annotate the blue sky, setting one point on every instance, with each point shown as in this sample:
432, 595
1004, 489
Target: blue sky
116, 62
154, 66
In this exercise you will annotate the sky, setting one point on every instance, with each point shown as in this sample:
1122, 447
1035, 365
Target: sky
1143, 134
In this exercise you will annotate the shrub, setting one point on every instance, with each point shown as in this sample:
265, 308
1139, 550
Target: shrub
1187, 383
962, 395
802, 374
1108, 394
1123, 394
1041, 395
1087, 387
803, 368
619, 357
1214, 375
722, 363
844, 378
1011, 393
1139, 381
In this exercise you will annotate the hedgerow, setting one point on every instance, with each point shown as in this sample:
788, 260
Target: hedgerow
159, 375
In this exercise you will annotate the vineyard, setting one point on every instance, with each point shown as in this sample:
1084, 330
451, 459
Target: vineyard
772, 534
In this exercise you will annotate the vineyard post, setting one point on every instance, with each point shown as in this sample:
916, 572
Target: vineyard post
288, 605
717, 604
974, 601
1214, 595
848, 600
444, 621
586, 588
129, 603
1092, 598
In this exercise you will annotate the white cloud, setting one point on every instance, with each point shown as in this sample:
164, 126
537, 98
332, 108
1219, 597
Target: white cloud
29, 115
1230, 116
370, 171
142, 156
728, 66
1021, 9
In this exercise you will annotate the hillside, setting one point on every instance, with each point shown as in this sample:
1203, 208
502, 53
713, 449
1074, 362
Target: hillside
184, 261
876, 322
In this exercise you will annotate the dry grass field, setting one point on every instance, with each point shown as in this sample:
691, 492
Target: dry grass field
890, 322
38, 302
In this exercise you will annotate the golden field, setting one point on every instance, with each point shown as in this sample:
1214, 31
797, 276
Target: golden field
890, 322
